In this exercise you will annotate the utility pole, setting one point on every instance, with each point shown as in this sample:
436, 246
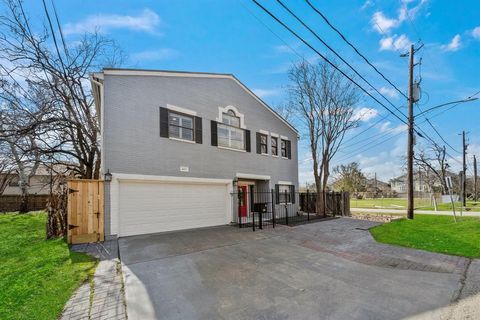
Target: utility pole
410, 135
475, 178
464, 182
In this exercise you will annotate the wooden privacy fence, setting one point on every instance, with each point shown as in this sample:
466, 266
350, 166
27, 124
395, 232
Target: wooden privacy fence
85, 213
337, 203
12, 202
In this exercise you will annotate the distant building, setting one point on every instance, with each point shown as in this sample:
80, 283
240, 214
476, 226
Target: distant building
399, 184
39, 183
375, 185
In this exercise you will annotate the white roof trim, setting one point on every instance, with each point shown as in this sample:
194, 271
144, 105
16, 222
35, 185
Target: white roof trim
172, 179
252, 176
131, 72
285, 182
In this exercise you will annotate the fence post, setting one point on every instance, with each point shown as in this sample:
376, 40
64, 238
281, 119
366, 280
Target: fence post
308, 211
308, 203
260, 221
286, 208
253, 221
273, 208
236, 206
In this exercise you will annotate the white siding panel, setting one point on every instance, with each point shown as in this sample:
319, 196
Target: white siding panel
149, 207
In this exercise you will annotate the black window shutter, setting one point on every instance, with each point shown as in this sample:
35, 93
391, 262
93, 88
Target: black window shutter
292, 193
259, 147
163, 122
247, 140
213, 127
198, 130
289, 149
277, 194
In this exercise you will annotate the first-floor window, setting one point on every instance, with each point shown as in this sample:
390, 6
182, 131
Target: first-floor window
180, 126
284, 148
275, 146
285, 193
231, 137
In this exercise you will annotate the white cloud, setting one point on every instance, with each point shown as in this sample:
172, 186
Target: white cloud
365, 114
263, 93
154, 55
147, 21
476, 33
383, 24
454, 44
386, 127
367, 4
389, 92
395, 43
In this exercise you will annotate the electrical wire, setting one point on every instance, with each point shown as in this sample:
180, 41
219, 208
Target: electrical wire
337, 54
354, 47
326, 59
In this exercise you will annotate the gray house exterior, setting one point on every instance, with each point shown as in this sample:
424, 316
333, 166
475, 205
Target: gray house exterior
178, 144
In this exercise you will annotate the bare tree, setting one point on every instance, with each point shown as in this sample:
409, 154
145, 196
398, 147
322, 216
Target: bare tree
324, 102
51, 84
21, 150
432, 160
6, 167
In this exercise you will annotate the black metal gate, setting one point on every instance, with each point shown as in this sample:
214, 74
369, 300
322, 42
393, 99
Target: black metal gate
266, 209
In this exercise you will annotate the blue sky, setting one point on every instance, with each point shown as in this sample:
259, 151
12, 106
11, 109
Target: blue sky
237, 37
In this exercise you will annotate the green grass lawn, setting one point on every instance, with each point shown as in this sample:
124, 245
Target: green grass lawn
387, 203
401, 203
471, 206
37, 276
433, 233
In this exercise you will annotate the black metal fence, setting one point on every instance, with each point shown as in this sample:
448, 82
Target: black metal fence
263, 209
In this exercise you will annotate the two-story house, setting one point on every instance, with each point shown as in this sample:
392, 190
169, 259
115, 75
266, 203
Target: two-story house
179, 144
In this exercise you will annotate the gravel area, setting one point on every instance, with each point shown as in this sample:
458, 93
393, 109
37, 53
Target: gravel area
375, 217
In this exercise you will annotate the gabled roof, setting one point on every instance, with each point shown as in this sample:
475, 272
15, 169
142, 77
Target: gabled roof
169, 73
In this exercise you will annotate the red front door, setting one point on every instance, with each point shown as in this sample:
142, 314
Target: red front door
243, 201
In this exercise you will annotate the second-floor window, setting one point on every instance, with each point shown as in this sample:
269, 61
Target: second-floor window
230, 134
263, 144
180, 126
274, 146
284, 148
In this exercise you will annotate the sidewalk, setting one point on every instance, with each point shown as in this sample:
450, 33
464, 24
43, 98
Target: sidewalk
102, 298
403, 211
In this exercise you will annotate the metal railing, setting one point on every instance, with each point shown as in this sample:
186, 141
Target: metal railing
266, 209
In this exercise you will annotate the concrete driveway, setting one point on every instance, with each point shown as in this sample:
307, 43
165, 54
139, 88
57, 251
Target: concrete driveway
324, 270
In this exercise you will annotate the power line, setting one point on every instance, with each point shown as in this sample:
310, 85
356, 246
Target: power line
337, 54
369, 148
366, 129
302, 57
381, 133
353, 47
270, 29
326, 59
376, 137
436, 131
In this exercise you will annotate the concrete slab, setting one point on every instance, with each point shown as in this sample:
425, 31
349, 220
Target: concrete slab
148, 247
227, 273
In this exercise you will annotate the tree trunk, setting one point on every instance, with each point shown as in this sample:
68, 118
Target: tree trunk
24, 200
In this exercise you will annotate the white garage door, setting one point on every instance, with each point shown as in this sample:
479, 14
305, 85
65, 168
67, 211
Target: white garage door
148, 207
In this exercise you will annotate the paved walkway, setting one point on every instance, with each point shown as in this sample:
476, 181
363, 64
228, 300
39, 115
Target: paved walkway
331, 269
403, 211
103, 298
